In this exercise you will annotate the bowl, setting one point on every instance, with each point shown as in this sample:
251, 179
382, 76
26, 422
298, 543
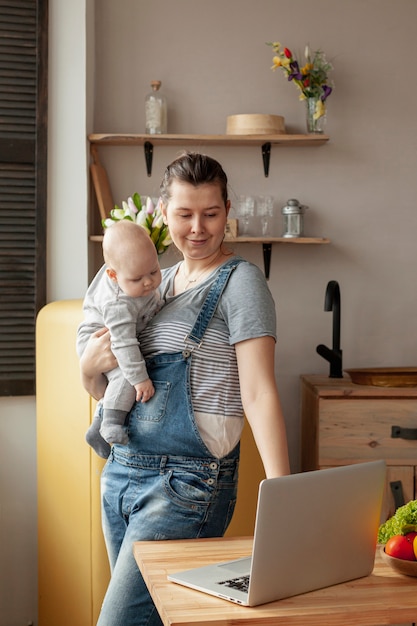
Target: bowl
384, 376
256, 124
407, 568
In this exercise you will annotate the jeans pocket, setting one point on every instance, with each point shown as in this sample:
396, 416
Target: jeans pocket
154, 409
187, 489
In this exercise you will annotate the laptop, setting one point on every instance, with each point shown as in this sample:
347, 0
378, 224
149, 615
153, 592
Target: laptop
313, 530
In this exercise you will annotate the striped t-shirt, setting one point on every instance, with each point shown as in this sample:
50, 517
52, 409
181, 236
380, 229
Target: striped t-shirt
246, 310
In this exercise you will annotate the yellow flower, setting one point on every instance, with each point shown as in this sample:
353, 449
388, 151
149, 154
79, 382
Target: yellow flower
306, 69
277, 63
320, 110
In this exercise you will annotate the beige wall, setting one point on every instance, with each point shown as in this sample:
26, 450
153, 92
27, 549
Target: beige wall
213, 62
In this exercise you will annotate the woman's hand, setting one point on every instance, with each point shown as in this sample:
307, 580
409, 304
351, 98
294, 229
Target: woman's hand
96, 359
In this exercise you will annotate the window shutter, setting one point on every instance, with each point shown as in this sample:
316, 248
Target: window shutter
23, 143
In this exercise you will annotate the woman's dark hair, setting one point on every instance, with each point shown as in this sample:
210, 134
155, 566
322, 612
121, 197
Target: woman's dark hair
194, 169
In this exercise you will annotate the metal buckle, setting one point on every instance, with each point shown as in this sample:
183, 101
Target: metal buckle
190, 346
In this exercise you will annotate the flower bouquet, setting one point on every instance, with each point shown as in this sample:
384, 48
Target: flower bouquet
147, 215
311, 79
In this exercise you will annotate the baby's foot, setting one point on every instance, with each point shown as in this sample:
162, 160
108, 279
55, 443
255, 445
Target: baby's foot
95, 440
114, 434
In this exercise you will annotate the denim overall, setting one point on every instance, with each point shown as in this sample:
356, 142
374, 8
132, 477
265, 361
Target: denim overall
165, 484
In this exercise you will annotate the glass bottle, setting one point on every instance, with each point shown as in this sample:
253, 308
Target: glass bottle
156, 110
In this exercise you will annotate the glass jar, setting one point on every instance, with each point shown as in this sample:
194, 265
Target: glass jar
156, 113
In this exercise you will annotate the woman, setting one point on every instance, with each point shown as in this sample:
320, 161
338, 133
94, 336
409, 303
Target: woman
177, 477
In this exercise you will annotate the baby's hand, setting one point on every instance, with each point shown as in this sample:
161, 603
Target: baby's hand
144, 391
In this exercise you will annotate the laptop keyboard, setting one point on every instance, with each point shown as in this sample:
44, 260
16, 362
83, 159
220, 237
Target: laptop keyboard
241, 583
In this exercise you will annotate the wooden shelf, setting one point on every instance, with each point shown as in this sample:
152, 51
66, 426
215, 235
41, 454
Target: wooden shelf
263, 240
149, 141
293, 240
120, 139
266, 244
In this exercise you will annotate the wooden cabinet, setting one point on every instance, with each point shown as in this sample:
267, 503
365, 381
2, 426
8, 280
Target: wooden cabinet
345, 423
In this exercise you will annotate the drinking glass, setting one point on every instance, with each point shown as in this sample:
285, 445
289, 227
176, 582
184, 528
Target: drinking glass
245, 211
265, 210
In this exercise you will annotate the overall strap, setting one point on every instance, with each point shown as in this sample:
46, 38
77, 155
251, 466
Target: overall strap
210, 303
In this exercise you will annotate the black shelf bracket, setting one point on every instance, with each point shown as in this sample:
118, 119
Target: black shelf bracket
267, 249
266, 156
148, 157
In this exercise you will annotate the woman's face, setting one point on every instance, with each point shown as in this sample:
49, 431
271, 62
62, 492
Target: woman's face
196, 218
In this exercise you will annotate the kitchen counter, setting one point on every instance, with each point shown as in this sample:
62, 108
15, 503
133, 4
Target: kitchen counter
384, 597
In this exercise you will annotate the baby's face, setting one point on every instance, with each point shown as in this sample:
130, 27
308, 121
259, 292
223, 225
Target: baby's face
140, 275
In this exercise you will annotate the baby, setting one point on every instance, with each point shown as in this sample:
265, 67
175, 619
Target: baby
123, 297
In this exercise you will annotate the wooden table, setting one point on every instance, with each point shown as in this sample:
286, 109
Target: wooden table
384, 597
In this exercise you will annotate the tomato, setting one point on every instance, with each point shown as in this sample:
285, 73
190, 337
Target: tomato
415, 546
411, 535
402, 546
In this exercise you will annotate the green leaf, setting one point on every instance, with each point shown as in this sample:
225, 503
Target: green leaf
136, 199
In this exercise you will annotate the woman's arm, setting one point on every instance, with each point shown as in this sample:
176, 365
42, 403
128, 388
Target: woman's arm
261, 403
96, 359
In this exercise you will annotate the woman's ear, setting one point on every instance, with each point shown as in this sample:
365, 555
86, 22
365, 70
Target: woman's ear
111, 274
228, 206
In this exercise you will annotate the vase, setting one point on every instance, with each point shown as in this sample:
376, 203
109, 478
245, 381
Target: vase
316, 115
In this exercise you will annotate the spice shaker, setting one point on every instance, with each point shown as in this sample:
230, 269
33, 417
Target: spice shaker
293, 213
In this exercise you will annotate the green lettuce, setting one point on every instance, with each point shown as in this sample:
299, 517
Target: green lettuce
402, 522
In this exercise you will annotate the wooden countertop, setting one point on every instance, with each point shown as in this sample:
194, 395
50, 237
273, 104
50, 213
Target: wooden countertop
384, 597
326, 387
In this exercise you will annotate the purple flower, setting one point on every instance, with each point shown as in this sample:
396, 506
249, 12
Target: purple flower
295, 71
326, 92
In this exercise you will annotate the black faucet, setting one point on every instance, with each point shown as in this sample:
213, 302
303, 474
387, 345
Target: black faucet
334, 355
